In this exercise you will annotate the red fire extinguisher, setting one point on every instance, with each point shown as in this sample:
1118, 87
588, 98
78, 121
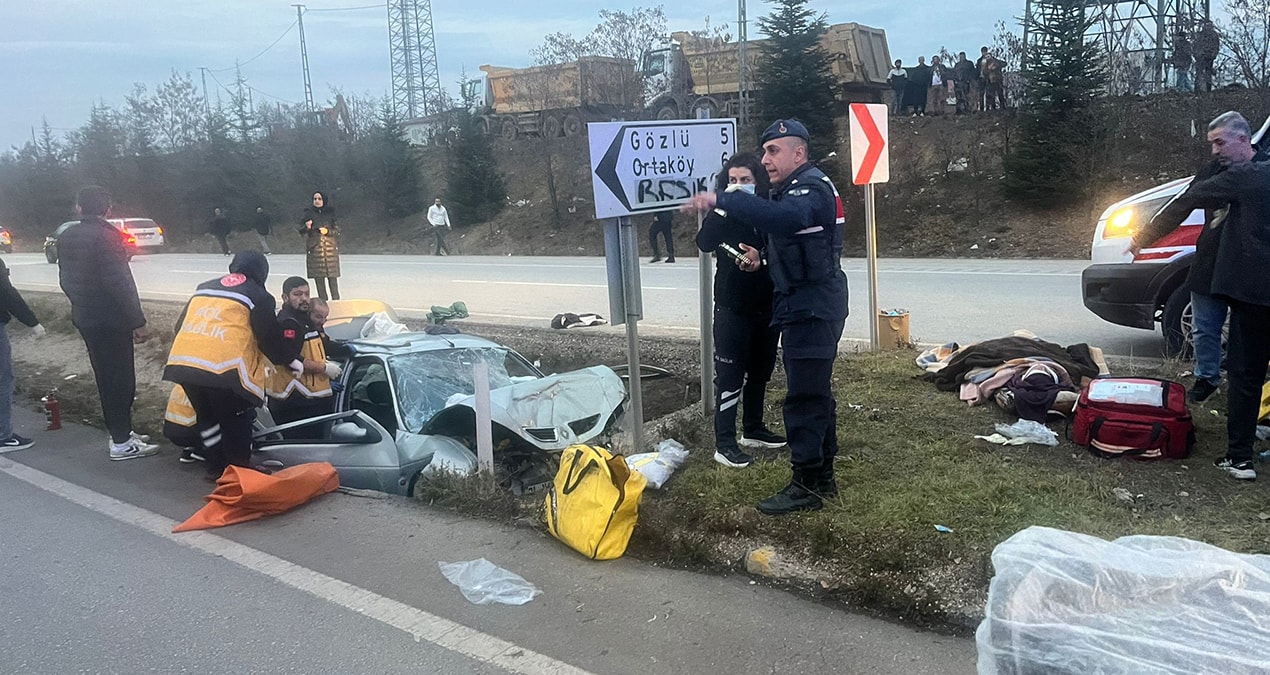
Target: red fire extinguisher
52, 410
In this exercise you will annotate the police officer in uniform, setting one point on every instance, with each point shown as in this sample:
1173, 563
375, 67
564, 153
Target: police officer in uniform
225, 335
310, 395
802, 229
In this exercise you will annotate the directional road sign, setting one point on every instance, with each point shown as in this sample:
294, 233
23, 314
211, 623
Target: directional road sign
870, 147
642, 167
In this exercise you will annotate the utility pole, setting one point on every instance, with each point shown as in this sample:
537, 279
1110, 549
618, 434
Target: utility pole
743, 67
304, 61
207, 106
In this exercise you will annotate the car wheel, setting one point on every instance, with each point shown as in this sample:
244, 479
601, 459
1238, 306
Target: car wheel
1176, 325
8, 249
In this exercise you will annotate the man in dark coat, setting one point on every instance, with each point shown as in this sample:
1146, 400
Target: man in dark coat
94, 274
1239, 276
264, 227
220, 228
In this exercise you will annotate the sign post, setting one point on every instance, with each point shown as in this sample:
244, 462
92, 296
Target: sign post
641, 168
870, 163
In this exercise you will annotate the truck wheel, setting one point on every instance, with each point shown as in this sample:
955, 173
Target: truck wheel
572, 125
668, 112
705, 109
550, 126
1175, 325
509, 130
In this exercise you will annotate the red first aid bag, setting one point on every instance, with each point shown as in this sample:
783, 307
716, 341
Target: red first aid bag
1136, 417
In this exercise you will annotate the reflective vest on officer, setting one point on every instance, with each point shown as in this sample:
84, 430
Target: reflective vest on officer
180, 411
282, 384
215, 345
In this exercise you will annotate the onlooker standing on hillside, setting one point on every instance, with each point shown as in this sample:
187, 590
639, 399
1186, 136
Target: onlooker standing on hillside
994, 83
93, 270
1207, 47
663, 224
220, 228
264, 228
981, 78
11, 305
439, 219
321, 245
935, 100
919, 77
898, 79
963, 80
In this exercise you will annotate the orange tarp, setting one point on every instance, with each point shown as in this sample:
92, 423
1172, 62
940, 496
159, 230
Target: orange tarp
243, 494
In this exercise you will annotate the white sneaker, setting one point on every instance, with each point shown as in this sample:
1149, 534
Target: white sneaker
131, 449
144, 438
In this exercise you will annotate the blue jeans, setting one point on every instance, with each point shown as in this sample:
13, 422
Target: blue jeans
1208, 315
6, 384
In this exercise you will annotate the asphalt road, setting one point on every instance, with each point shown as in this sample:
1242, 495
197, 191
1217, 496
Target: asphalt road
949, 300
92, 580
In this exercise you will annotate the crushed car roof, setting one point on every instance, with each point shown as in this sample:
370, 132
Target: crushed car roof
406, 343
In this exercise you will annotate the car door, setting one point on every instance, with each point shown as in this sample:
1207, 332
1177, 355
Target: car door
362, 452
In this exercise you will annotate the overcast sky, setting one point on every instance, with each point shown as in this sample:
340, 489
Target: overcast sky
59, 57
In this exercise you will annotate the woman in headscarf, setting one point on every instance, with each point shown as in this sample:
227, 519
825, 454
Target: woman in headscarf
321, 245
745, 341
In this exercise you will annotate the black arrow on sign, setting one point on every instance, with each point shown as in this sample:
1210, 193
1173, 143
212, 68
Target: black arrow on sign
606, 171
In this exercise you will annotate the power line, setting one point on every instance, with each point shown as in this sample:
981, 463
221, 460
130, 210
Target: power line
268, 95
347, 9
262, 52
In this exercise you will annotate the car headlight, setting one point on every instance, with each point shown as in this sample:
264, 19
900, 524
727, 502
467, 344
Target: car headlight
1121, 223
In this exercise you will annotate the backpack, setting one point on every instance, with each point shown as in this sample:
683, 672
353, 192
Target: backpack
593, 503
1136, 417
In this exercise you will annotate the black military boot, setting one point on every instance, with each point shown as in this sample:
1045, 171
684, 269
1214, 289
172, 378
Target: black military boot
826, 486
793, 497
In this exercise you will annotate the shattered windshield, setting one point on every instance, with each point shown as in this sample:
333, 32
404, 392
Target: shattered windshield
426, 380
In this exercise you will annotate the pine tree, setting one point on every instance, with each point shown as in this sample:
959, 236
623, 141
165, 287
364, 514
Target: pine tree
474, 188
1060, 125
793, 76
396, 176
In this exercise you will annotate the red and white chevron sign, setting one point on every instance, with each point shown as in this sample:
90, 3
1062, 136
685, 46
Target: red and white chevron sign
870, 147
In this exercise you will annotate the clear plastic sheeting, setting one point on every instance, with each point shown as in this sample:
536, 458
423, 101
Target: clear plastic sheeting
1063, 602
1029, 431
483, 583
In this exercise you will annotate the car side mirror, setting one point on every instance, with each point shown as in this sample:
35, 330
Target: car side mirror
348, 432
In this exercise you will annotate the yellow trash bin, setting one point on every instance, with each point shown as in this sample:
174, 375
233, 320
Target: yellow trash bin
893, 329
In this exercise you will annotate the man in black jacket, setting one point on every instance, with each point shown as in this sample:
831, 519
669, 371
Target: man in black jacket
1208, 312
94, 274
11, 305
1239, 276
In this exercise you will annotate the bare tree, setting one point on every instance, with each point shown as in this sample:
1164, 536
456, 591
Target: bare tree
1246, 40
180, 112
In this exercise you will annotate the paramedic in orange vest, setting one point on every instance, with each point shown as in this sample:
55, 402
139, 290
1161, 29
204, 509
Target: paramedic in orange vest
225, 336
310, 395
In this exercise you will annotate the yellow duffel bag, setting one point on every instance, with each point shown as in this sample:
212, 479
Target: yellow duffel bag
594, 502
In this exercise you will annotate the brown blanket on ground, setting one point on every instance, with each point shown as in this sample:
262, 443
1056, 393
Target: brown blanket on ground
1077, 359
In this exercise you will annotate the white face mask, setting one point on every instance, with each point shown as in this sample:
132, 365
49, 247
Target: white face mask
742, 187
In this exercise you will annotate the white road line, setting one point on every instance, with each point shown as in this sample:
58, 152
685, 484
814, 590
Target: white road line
422, 625
492, 282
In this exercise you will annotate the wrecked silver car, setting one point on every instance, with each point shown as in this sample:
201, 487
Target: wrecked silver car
406, 409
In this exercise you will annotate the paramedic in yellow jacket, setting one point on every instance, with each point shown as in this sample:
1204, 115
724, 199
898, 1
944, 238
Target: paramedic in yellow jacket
310, 395
225, 335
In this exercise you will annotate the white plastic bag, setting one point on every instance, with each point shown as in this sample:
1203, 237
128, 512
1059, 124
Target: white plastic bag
1029, 431
1062, 602
381, 325
658, 466
482, 582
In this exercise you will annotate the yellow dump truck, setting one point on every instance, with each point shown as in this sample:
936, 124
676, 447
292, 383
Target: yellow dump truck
558, 99
699, 78
689, 77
